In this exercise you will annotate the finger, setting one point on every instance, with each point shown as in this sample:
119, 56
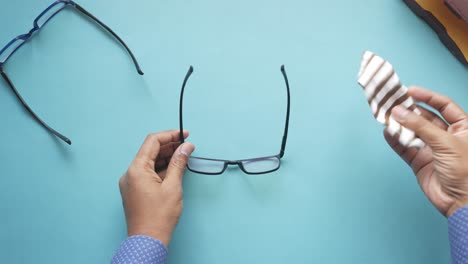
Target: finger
176, 139
162, 174
152, 144
449, 110
429, 115
164, 156
427, 131
176, 167
167, 150
433, 118
161, 164
393, 142
407, 154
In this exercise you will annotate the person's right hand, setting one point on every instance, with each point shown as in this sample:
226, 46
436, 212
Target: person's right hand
151, 188
441, 167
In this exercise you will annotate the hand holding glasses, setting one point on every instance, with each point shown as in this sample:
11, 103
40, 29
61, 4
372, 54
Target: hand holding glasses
250, 166
39, 22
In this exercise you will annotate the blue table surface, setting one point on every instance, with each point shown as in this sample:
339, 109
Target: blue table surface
341, 195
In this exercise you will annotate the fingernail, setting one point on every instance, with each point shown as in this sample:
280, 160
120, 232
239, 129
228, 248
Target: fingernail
400, 113
187, 149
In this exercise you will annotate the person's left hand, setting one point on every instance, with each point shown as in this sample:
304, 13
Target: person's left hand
151, 188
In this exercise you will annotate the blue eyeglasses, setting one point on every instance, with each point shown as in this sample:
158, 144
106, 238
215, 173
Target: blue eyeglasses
39, 22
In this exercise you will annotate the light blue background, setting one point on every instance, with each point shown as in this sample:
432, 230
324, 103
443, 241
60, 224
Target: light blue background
341, 196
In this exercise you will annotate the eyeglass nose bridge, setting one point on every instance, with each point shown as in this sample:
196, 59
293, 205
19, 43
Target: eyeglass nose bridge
233, 162
34, 29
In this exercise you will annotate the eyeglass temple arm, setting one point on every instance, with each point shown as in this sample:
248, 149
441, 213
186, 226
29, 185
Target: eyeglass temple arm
187, 76
51, 130
82, 10
286, 127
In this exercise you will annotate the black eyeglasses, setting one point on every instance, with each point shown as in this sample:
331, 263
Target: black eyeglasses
40, 22
250, 166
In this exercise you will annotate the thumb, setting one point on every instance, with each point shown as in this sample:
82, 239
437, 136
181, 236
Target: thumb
427, 131
178, 162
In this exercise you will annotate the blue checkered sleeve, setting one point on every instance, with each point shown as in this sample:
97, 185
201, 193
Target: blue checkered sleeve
140, 250
458, 236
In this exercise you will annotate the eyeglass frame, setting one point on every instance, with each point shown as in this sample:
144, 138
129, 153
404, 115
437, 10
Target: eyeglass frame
26, 37
237, 162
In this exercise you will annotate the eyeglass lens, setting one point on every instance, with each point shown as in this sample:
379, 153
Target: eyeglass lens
44, 18
10, 49
261, 165
205, 165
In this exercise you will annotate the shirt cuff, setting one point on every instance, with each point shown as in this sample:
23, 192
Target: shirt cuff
141, 250
458, 236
